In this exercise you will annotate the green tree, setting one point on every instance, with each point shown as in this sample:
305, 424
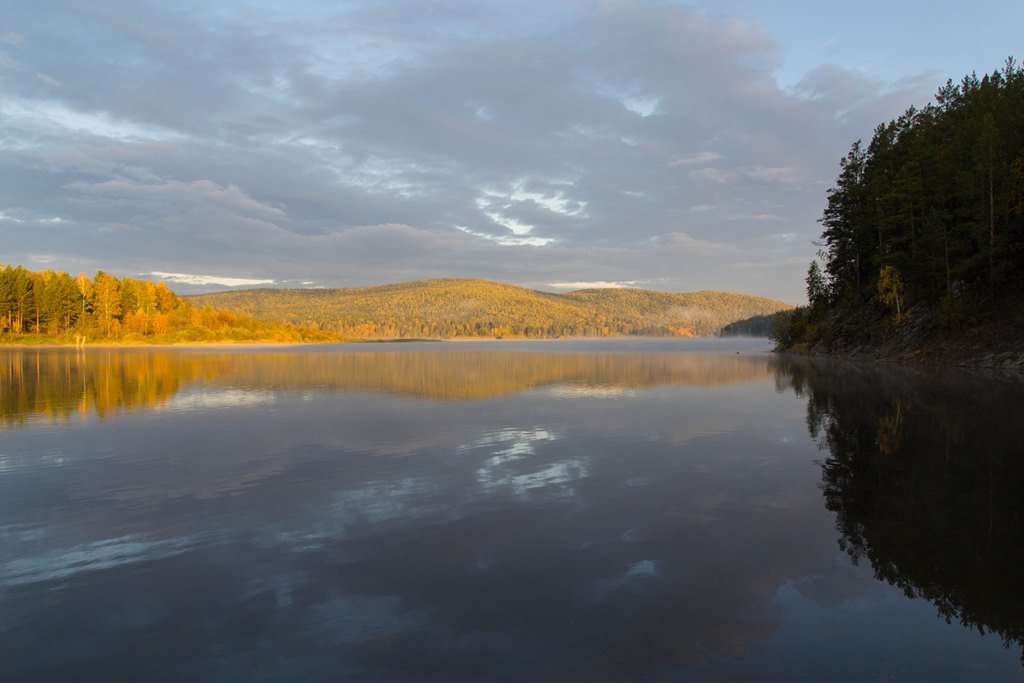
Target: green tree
17, 295
817, 289
844, 219
61, 303
40, 281
938, 194
130, 295
990, 145
6, 298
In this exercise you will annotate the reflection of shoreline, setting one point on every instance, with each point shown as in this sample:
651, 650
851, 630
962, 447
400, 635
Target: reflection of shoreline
924, 475
482, 374
56, 384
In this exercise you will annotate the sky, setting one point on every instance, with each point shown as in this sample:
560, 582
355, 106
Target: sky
554, 144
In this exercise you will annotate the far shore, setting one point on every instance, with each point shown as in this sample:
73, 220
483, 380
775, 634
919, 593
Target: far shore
358, 342
177, 345
205, 345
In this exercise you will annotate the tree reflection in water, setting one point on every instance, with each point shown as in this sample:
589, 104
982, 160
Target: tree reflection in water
55, 384
925, 474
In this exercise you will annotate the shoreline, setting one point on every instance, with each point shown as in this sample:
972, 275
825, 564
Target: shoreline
992, 337
181, 345
1008, 361
354, 342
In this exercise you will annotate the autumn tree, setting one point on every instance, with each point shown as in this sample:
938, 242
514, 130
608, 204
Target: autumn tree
56, 303
84, 285
106, 300
891, 289
166, 301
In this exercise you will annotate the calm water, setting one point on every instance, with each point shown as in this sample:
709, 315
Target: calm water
579, 511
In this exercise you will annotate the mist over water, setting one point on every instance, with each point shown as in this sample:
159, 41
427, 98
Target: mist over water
616, 510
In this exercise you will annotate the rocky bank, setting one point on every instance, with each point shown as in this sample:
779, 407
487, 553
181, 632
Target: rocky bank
989, 337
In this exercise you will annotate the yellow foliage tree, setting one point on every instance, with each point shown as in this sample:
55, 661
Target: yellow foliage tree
891, 289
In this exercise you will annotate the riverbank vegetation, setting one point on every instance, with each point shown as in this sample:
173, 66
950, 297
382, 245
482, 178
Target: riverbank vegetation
924, 227
40, 307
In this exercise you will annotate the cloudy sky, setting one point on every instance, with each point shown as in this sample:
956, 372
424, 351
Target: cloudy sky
550, 143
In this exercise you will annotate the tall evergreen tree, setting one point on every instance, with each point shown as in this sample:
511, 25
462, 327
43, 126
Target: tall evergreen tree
937, 193
844, 223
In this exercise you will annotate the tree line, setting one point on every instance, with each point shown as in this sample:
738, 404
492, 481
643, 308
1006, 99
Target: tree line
53, 305
931, 210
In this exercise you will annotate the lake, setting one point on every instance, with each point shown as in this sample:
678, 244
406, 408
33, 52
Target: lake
621, 510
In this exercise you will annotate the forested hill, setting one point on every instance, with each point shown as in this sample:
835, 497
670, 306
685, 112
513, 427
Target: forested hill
923, 241
479, 308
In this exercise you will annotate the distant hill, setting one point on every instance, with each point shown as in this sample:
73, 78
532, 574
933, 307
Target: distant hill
449, 308
757, 326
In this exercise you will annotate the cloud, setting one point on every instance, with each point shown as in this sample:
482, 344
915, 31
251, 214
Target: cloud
189, 279
696, 159
599, 284
691, 244
57, 119
50, 220
779, 174
49, 80
535, 143
754, 217
11, 38
163, 191
555, 202
509, 241
712, 175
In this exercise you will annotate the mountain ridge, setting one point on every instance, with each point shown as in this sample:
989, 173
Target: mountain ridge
474, 307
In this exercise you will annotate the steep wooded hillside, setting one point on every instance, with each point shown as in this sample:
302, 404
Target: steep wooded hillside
923, 240
479, 308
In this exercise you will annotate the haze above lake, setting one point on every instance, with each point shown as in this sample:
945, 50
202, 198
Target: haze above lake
638, 510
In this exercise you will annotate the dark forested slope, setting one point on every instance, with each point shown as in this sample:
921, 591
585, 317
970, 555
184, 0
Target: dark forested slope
479, 308
923, 240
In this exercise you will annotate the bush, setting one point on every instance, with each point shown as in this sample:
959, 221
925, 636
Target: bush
793, 328
952, 312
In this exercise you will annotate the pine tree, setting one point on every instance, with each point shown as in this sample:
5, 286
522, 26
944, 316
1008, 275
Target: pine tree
817, 290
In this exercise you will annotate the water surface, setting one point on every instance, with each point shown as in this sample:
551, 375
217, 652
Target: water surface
635, 511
